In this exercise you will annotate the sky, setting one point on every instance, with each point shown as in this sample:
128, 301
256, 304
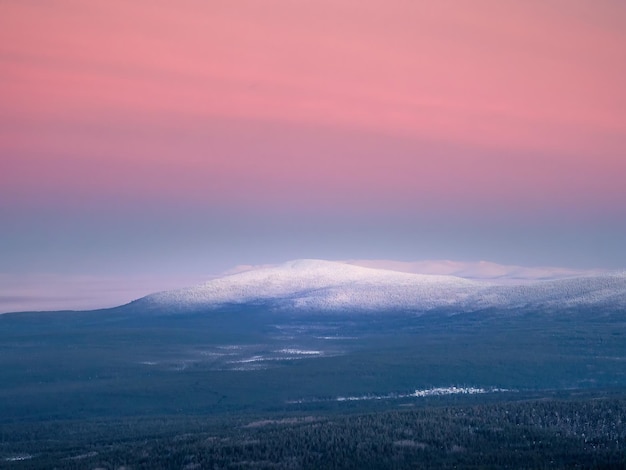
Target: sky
151, 144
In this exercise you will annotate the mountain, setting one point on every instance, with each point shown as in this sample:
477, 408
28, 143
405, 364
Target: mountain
484, 270
306, 338
322, 285
317, 285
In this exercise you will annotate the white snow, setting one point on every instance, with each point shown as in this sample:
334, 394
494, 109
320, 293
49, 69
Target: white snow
478, 270
324, 285
18, 458
317, 285
431, 392
301, 352
422, 393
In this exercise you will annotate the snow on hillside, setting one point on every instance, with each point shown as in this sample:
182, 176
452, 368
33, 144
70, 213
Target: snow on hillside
334, 286
603, 290
478, 270
327, 285
484, 270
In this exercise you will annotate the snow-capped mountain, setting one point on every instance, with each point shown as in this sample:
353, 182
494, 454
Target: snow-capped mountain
324, 285
484, 270
606, 290
335, 286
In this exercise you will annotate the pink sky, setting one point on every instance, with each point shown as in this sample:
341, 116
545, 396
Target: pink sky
174, 139
141, 97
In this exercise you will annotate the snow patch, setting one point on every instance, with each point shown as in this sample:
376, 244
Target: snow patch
302, 352
431, 392
18, 458
420, 393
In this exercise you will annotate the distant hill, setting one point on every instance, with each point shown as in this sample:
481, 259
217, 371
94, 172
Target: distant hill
330, 286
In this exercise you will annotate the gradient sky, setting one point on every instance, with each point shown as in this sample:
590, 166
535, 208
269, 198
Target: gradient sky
172, 140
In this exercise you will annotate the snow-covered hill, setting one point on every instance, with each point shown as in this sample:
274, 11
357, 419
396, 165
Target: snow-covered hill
335, 286
603, 290
324, 285
484, 270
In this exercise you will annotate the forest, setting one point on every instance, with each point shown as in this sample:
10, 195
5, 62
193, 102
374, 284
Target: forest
578, 432
255, 389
